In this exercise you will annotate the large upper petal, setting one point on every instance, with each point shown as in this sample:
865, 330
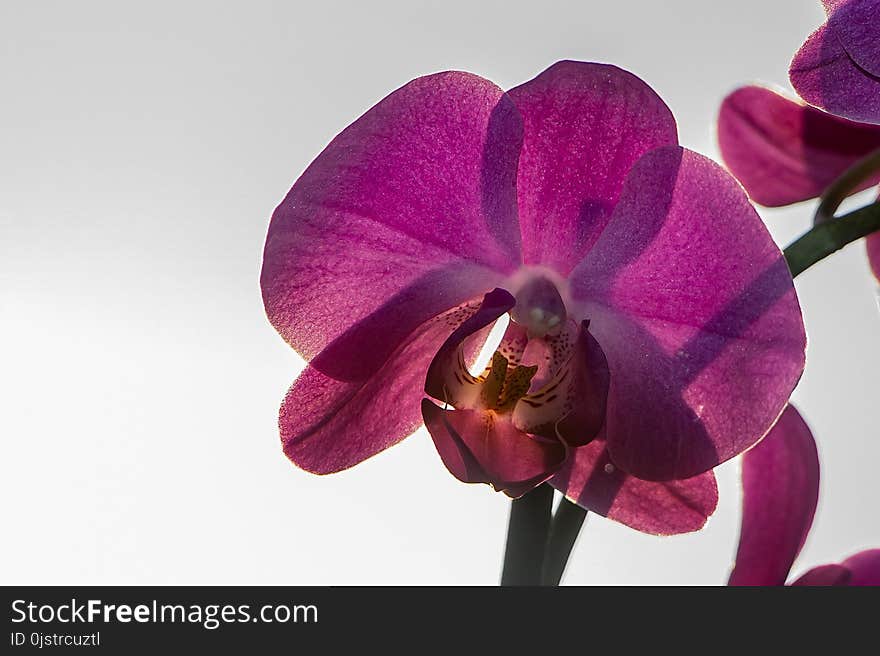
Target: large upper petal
824, 75
591, 480
783, 151
406, 213
584, 125
780, 479
855, 23
695, 309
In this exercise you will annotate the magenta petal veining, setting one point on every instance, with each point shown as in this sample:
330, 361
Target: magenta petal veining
695, 309
584, 126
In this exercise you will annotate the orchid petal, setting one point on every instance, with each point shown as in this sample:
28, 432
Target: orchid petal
571, 405
447, 378
482, 447
855, 23
780, 492
584, 126
591, 480
329, 424
824, 75
783, 151
414, 202
862, 569
865, 567
824, 575
695, 309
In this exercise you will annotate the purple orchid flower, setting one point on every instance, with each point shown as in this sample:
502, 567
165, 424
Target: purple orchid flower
784, 151
654, 329
838, 67
780, 490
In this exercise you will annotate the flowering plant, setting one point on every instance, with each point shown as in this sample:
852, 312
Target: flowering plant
647, 324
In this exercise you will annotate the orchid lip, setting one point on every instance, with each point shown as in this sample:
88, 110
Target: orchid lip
527, 366
495, 428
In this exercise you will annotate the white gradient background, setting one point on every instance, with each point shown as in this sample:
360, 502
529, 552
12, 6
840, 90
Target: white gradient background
142, 151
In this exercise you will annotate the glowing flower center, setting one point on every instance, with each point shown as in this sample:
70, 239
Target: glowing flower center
503, 385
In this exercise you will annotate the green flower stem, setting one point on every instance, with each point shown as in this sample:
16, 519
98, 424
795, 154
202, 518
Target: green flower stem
830, 236
845, 185
564, 529
526, 536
